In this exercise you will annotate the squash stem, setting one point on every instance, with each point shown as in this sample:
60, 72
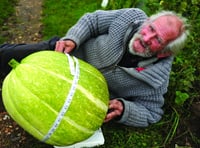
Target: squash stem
13, 63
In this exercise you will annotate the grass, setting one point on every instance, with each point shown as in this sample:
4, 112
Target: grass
119, 136
7, 5
60, 15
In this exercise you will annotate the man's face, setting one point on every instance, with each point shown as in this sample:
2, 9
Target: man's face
154, 36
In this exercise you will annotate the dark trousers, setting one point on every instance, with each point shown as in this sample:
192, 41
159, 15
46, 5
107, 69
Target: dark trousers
19, 51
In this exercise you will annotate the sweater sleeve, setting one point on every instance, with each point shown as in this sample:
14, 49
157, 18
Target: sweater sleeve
140, 112
94, 24
146, 108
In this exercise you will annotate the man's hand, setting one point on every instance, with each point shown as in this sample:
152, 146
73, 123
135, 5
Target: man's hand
115, 109
65, 46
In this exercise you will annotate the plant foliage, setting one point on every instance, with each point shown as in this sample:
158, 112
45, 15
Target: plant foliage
6, 9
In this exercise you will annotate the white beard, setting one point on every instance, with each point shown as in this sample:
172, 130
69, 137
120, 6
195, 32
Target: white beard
146, 53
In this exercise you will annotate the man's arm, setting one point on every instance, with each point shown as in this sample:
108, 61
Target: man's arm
97, 23
142, 111
19, 51
144, 106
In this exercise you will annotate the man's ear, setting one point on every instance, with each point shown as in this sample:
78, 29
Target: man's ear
163, 55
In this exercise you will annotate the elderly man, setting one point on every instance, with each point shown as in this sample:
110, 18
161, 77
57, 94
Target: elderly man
133, 52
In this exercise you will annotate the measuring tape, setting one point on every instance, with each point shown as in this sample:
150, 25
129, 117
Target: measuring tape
76, 72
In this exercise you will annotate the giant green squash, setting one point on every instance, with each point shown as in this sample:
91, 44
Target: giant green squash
57, 98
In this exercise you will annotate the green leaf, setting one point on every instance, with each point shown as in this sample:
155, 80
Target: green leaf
181, 97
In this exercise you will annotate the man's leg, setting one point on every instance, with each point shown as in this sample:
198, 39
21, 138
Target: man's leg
19, 51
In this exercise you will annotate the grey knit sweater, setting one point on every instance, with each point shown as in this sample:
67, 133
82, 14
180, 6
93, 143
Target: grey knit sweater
100, 38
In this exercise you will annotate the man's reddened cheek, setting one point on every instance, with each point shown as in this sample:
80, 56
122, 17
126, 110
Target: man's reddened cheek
155, 47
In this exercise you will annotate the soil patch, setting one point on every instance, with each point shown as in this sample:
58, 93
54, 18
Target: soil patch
25, 26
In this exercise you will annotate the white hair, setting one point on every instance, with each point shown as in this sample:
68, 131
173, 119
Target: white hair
175, 45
